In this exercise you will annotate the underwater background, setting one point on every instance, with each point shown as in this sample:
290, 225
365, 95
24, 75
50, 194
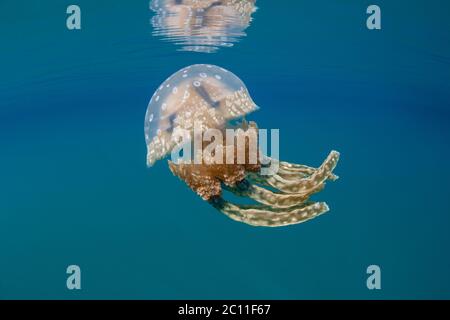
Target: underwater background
75, 189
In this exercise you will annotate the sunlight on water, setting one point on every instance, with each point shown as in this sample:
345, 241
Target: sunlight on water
201, 25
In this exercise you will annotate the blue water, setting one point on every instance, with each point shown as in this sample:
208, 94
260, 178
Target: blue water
75, 189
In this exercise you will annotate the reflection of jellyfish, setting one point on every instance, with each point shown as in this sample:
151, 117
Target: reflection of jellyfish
219, 100
202, 25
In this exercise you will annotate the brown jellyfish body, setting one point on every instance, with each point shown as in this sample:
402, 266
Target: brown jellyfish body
210, 98
202, 25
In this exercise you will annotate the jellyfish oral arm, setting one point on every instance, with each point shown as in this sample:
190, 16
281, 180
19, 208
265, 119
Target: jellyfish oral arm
304, 185
260, 216
289, 206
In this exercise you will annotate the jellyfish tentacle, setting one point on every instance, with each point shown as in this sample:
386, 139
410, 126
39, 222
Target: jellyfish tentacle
291, 175
258, 179
263, 216
272, 181
295, 167
270, 198
305, 185
296, 177
293, 171
266, 181
301, 173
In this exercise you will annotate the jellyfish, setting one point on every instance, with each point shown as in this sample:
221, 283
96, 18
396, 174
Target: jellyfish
202, 25
212, 98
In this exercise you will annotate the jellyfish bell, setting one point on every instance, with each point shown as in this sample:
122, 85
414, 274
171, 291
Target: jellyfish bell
215, 97
202, 25
208, 94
